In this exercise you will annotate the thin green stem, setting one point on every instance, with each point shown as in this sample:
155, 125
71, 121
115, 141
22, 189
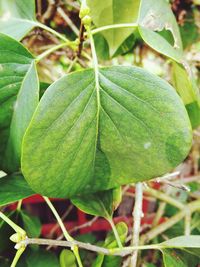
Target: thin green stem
15, 227
51, 50
164, 197
43, 26
114, 26
19, 205
65, 233
96, 67
17, 256
115, 232
188, 222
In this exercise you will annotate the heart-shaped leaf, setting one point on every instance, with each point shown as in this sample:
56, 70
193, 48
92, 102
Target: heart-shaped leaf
108, 12
19, 96
98, 204
13, 188
87, 136
17, 17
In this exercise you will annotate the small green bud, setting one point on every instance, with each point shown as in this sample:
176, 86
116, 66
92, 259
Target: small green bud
84, 12
87, 20
16, 238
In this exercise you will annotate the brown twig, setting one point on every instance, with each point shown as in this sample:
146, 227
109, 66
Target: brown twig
81, 40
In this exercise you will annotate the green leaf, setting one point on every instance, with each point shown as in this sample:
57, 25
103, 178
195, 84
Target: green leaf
13, 188
158, 16
108, 12
67, 258
31, 224
192, 241
187, 89
98, 204
135, 133
17, 17
19, 96
41, 258
110, 242
178, 258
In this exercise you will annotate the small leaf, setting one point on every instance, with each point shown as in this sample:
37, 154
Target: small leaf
41, 258
158, 16
187, 89
178, 258
110, 12
110, 242
19, 96
13, 188
139, 129
17, 17
98, 204
31, 224
192, 241
67, 258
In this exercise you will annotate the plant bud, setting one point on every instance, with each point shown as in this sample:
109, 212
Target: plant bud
87, 20
16, 238
84, 12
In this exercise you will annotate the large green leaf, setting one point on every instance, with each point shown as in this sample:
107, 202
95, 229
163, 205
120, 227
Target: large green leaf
13, 188
84, 138
97, 204
19, 96
108, 12
186, 87
156, 16
17, 17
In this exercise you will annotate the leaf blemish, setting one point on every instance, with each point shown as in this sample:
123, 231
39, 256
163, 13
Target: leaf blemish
147, 145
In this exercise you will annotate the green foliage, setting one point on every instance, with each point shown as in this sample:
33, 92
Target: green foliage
19, 96
67, 259
17, 17
31, 224
108, 12
186, 86
103, 145
98, 204
96, 129
41, 258
110, 242
13, 188
156, 16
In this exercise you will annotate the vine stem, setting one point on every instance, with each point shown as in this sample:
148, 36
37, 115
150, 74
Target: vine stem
122, 252
43, 26
115, 233
114, 26
17, 256
137, 215
65, 233
51, 50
